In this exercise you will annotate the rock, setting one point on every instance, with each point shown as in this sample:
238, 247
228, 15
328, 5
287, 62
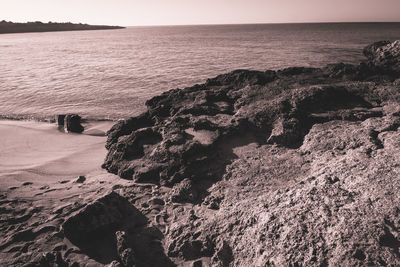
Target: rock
49, 259
223, 254
127, 257
114, 264
213, 202
190, 133
81, 179
103, 216
72, 123
286, 132
197, 263
385, 56
188, 245
60, 119
125, 253
342, 70
184, 192
157, 201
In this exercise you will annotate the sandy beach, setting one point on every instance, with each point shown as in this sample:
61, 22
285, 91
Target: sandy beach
39, 153
39, 166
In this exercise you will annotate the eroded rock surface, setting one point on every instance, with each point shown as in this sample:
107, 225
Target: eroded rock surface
299, 166
188, 134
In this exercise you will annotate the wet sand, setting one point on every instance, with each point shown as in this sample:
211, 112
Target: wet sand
39, 153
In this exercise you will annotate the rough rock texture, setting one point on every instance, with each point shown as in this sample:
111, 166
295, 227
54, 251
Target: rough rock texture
72, 123
384, 55
100, 219
296, 167
184, 133
125, 253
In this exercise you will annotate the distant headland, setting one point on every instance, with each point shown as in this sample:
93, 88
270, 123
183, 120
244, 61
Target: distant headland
37, 26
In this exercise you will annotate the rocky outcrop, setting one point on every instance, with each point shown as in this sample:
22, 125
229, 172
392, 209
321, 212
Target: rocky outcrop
188, 134
296, 167
385, 56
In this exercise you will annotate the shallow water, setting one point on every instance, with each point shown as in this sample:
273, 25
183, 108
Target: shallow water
110, 74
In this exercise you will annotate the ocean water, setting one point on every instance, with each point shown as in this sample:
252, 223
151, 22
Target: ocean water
110, 74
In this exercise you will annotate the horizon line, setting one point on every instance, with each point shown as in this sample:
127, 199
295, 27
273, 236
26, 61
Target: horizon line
259, 23
213, 24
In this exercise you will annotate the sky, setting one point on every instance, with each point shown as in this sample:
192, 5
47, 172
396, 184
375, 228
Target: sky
183, 12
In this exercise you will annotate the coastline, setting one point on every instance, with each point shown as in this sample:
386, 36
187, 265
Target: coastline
37, 26
283, 168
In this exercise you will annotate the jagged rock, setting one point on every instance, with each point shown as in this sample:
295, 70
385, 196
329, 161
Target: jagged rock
100, 218
385, 56
286, 132
184, 192
72, 123
185, 133
125, 253
181, 242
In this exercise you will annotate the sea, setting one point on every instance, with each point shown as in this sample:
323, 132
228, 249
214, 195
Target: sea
109, 74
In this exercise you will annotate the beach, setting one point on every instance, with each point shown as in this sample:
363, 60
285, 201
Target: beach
39, 153
291, 167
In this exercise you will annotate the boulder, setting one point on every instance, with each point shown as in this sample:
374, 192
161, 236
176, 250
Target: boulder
385, 56
72, 123
100, 218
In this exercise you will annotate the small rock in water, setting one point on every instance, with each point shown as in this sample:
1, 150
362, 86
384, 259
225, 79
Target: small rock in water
80, 179
72, 123
60, 119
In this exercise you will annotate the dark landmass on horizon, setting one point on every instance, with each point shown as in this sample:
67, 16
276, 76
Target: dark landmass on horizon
37, 26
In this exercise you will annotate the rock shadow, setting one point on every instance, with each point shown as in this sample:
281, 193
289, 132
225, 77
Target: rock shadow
93, 231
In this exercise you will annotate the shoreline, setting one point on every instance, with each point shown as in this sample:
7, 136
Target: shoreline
233, 172
37, 151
